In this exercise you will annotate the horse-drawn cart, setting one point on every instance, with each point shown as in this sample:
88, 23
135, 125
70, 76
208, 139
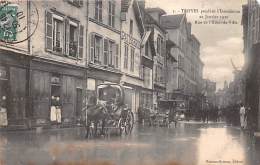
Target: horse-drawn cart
110, 114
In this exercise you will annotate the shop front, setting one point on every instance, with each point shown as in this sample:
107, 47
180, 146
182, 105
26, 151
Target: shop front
3, 96
13, 89
57, 92
97, 76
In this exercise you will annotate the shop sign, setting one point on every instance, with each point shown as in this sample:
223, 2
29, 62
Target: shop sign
3, 73
55, 80
130, 40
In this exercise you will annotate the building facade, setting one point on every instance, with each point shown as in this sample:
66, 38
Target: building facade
251, 31
104, 38
158, 47
132, 30
46, 83
188, 70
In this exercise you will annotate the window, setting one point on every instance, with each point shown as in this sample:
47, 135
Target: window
63, 36
146, 49
126, 57
131, 27
58, 35
95, 48
116, 57
98, 10
109, 49
159, 45
77, 3
98, 43
73, 40
111, 52
147, 76
111, 13
106, 52
132, 59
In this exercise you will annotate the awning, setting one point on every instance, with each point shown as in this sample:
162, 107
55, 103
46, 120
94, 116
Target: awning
145, 38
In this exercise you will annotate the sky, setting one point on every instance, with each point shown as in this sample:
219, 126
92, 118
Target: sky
219, 43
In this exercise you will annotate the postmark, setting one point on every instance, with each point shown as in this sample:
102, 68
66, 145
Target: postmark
18, 21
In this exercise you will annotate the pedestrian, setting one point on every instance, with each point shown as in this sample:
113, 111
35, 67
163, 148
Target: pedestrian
242, 113
247, 117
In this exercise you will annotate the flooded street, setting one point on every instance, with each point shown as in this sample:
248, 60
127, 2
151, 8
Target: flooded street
188, 144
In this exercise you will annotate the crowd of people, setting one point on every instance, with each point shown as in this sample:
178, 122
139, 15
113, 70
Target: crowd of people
234, 115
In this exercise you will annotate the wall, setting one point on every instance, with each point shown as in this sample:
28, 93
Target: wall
64, 8
136, 36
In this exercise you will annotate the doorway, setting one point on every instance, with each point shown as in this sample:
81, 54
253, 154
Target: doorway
79, 100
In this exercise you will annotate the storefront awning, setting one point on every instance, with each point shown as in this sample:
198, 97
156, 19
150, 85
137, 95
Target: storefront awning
145, 38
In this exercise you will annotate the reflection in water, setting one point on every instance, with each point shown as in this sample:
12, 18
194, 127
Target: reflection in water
216, 146
3, 142
187, 144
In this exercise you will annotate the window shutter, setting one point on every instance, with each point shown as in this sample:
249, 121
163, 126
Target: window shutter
81, 38
80, 2
67, 36
96, 9
111, 53
100, 11
106, 52
48, 31
116, 56
92, 45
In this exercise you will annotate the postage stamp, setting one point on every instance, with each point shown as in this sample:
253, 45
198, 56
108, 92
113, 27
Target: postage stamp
18, 21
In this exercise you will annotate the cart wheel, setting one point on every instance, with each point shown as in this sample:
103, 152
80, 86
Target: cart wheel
129, 123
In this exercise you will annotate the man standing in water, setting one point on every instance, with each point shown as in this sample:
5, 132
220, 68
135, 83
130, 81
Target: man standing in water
242, 116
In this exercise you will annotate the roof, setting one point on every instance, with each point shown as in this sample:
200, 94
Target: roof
148, 19
138, 16
195, 38
172, 21
156, 9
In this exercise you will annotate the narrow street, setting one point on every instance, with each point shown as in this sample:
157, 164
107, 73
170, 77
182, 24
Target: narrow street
191, 143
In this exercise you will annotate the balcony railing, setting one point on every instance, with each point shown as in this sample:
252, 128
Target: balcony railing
73, 47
